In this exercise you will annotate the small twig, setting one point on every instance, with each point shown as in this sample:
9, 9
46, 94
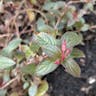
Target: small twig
26, 31
93, 27
75, 2
10, 82
90, 28
17, 31
4, 35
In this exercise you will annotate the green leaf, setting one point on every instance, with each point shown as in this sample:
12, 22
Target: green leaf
72, 39
89, 6
5, 62
69, 16
79, 24
29, 69
61, 25
26, 49
3, 92
45, 68
43, 88
71, 21
53, 5
40, 22
33, 1
76, 53
32, 90
34, 47
72, 67
26, 85
45, 39
85, 27
52, 51
19, 55
48, 6
11, 46
42, 27
51, 19
45, 28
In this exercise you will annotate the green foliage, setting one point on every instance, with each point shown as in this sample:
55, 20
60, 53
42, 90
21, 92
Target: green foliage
77, 53
44, 39
27, 50
43, 87
29, 69
42, 27
11, 46
72, 67
51, 51
72, 39
35, 90
32, 90
26, 85
5, 62
49, 47
45, 67
89, 6
85, 27
19, 55
34, 47
49, 6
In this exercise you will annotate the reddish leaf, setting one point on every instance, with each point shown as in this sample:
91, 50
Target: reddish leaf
57, 62
67, 52
63, 47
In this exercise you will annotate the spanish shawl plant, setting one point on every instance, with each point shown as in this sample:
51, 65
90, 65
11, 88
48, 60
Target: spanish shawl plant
62, 53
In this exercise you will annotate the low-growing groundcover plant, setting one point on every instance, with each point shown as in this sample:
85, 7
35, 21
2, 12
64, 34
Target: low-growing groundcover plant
55, 35
54, 52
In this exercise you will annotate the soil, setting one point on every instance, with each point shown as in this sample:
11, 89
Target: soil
63, 84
